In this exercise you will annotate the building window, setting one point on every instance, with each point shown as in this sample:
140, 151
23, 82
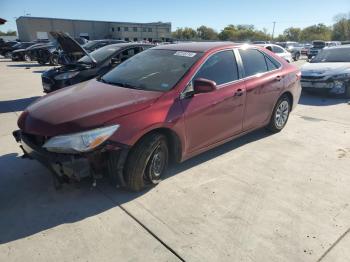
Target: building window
168, 30
126, 39
144, 29
150, 29
135, 39
126, 29
135, 29
112, 29
118, 28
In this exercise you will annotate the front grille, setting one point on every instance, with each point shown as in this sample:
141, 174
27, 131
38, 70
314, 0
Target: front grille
311, 77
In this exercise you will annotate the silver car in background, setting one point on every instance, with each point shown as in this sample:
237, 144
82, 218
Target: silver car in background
280, 51
328, 72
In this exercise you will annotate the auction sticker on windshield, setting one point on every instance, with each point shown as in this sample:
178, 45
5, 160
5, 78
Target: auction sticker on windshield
187, 54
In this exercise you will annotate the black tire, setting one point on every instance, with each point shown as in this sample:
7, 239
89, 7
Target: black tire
41, 62
347, 91
296, 57
139, 170
275, 125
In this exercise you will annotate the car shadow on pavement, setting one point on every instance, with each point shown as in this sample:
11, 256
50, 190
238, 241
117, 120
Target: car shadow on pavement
39, 71
320, 100
29, 204
17, 104
26, 65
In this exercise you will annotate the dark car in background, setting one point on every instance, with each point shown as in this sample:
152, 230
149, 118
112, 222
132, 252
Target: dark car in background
166, 104
31, 53
292, 47
8, 48
19, 53
317, 46
96, 44
91, 65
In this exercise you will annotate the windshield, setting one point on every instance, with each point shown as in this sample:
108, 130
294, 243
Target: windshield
90, 45
319, 44
332, 55
157, 70
100, 54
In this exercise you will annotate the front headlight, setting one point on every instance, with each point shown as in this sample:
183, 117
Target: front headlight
80, 142
66, 75
341, 76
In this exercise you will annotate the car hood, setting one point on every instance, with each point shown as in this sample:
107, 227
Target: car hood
324, 69
19, 50
82, 107
69, 45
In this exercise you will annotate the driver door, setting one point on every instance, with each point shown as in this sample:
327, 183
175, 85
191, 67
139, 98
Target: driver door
217, 115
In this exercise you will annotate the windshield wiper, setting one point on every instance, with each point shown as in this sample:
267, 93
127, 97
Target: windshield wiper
122, 84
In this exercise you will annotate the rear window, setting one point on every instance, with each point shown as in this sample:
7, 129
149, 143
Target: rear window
253, 62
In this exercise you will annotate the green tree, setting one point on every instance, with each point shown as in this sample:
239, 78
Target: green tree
292, 34
341, 28
316, 32
186, 33
9, 32
228, 33
206, 33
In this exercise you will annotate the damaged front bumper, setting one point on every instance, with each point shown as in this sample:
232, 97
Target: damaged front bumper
107, 160
335, 87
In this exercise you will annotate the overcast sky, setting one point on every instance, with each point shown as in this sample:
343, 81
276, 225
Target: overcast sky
181, 13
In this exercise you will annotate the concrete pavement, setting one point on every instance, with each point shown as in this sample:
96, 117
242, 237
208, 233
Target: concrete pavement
263, 197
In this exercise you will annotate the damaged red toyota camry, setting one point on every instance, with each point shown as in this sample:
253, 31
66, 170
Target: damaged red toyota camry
166, 104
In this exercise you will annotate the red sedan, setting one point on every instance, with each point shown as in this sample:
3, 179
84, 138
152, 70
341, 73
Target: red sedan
168, 103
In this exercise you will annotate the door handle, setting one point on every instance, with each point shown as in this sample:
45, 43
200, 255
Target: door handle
239, 92
278, 78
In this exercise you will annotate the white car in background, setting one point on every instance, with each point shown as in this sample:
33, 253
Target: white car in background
280, 51
328, 72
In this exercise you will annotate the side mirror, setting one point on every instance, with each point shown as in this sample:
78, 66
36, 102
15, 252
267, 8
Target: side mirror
115, 61
202, 85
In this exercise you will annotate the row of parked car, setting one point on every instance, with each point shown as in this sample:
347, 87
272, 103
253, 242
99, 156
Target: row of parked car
145, 106
45, 52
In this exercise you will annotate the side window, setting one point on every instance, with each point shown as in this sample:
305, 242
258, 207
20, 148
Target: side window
126, 54
271, 66
253, 62
145, 47
220, 67
277, 50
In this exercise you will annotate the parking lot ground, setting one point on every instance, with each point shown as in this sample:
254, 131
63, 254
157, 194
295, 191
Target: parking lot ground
263, 197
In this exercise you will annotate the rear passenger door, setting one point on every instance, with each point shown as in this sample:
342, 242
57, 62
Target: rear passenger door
263, 83
215, 116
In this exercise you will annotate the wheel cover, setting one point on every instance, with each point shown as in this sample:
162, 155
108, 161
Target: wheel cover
157, 164
281, 115
27, 58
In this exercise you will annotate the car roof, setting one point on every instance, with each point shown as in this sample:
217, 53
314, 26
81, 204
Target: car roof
129, 44
197, 46
339, 47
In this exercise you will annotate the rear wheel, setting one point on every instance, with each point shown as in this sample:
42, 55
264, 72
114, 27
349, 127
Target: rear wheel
280, 114
297, 57
147, 162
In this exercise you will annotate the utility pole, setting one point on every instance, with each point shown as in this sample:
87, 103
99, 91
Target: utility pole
273, 29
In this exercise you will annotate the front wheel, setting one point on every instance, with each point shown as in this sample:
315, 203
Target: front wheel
280, 114
147, 162
27, 58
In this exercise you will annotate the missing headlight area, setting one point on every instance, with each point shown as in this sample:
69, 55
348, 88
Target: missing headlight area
106, 160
